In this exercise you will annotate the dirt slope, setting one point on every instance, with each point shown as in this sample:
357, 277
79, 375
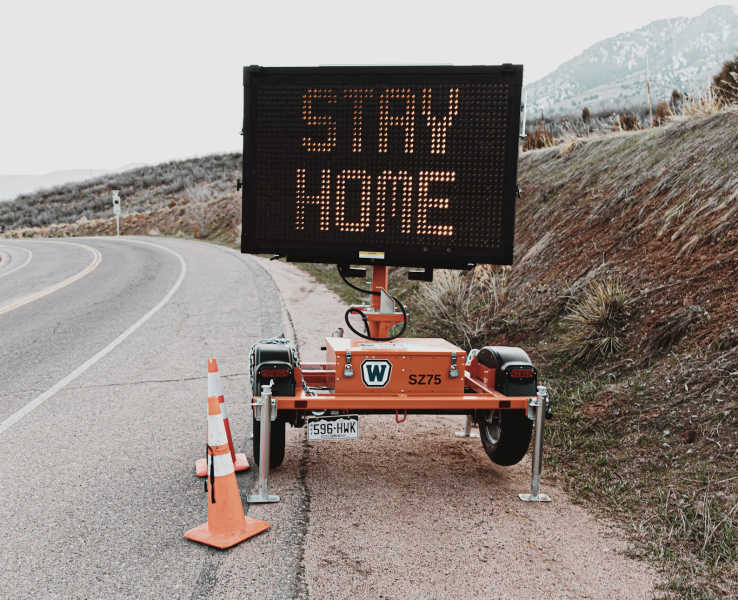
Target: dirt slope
660, 206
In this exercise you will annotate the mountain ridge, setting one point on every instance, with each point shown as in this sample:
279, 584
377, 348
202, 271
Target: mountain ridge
682, 53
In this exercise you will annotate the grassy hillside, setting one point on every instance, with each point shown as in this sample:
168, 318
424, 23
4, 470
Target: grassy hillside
623, 291
195, 197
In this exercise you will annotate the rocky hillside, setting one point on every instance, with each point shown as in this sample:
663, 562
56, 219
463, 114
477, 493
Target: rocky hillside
682, 53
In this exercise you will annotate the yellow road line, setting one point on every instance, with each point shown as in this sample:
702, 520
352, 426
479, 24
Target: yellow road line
96, 260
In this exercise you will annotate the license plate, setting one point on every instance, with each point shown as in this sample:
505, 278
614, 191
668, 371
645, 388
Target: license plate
333, 427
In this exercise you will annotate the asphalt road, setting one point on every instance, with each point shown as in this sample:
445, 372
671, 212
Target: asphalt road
103, 397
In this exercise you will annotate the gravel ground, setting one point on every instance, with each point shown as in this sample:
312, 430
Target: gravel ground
410, 511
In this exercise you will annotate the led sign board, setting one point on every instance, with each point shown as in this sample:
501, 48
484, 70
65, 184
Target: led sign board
412, 166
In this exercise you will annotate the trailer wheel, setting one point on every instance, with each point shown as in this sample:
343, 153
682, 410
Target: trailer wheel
505, 435
276, 448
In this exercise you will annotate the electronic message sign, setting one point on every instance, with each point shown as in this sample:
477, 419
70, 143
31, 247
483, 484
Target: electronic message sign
411, 166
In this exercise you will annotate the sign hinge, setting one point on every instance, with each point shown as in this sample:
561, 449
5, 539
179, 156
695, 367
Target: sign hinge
453, 372
348, 370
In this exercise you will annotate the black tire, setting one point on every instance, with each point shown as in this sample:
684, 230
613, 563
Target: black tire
505, 435
276, 448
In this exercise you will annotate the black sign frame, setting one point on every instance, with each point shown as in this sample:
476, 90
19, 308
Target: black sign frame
349, 252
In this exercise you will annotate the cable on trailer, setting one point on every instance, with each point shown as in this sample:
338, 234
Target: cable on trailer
363, 316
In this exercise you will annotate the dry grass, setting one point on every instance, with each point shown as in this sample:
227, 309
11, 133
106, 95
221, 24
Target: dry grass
461, 307
702, 104
551, 132
199, 197
541, 137
569, 144
681, 510
595, 321
690, 170
657, 417
218, 220
673, 327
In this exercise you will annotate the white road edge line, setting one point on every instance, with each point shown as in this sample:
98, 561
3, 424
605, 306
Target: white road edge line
38, 401
96, 260
19, 267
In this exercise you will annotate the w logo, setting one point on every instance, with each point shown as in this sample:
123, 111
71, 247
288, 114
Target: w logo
376, 373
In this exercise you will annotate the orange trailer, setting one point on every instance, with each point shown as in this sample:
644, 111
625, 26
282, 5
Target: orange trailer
386, 166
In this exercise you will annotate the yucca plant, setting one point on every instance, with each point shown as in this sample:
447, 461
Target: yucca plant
596, 320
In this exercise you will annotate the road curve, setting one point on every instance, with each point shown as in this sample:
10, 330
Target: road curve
97, 484
13, 258
57, 285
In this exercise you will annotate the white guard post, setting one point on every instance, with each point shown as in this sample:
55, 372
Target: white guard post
539, 405
467, 433
267, 409
116, 210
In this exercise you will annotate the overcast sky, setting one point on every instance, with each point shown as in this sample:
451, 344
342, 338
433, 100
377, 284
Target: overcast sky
101, 84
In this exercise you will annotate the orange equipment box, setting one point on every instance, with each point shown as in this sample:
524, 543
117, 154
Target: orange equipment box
424, 366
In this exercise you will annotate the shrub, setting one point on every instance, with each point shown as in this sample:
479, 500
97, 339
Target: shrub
629, 122
725, 83
661, 114
586, 115
595, 321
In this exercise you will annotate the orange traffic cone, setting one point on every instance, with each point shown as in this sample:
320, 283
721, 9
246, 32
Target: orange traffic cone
227, 525
240, 462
